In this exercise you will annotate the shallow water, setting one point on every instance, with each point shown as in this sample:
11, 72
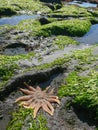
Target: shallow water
83, 4
16, 19
91, 37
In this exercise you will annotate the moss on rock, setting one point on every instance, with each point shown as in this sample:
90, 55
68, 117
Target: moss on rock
70, 10
62, 41
84, 89
28, 6
8, 66
23, 119
94, 12
73, 27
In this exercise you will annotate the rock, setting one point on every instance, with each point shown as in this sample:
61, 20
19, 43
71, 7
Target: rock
51, 1
66, 119
1, 115
51, 6
44, 20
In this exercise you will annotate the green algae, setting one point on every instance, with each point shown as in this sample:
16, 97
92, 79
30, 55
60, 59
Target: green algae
63, 41
83, 56
84, 89
28, 25
74, 27
94, 12
20, 5
8, 65
70, 10
23, 119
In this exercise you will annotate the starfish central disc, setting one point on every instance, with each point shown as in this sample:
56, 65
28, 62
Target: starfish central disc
40, 95
37, 98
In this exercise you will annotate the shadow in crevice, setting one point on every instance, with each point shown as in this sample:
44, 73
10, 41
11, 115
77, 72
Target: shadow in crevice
86, 116
15, 48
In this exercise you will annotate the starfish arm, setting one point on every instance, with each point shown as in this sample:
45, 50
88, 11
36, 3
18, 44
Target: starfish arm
38, 88
36, 109
45, 108
30, 101
32, 105
25, 106
54, 97
30, 87
25, 91
23, 98
51, 91
53, 100
47, 89
24, 103
50, 106
27, 103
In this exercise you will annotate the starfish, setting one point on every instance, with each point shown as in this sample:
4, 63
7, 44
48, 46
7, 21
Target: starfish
37, 98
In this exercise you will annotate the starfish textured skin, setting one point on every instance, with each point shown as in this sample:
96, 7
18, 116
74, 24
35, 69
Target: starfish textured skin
37, 98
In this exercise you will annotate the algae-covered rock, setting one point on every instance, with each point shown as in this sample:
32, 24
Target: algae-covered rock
70, 11
63, 41
24, 6
87, 98
94, 12
8, 66
82, 83
74, 27
23, 119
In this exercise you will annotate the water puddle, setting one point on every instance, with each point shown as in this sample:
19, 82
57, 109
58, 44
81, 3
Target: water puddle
16, 19
82, 4
91, 37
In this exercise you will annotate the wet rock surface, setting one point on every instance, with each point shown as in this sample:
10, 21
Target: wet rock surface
66, 118
26, 44
6, 108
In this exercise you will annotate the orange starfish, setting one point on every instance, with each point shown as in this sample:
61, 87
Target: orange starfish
36, 98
